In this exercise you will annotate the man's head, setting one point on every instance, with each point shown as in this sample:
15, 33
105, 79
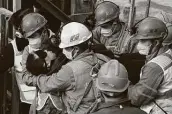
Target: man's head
36, 63
33, 28
15, 20
150, 33
112, 78
74, 39
39, 61
107, 17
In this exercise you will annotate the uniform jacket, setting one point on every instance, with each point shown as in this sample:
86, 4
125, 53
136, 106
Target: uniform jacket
72, 80
154, 81
118, 43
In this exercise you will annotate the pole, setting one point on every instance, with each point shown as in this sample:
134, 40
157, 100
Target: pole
15, 108
147, 8
131, 16
2, 45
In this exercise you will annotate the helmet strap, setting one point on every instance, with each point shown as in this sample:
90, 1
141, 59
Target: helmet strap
116, 28
156, 45
75, 52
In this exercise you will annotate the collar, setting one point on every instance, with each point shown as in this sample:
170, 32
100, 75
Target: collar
83, 55
158, 51
16, 51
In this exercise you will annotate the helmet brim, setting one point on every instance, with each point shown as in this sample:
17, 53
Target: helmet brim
99, 23
141, 37
104, 88
38, 28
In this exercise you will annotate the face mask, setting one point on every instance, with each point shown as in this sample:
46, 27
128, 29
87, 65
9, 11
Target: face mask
106, 31
35, 42
68, 53
109, 28
143, 48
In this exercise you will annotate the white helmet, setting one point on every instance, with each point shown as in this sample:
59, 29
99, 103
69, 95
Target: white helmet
74, 33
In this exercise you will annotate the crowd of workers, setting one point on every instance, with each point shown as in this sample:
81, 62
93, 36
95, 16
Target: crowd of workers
81, 71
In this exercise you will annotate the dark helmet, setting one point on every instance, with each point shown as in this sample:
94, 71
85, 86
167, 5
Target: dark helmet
105, 12
151, 28
31, 23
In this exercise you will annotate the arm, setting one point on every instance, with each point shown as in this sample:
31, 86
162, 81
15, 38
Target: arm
57, 81
146, 89
24, 58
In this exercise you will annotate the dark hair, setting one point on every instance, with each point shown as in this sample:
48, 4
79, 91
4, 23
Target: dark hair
51, 44
36, 64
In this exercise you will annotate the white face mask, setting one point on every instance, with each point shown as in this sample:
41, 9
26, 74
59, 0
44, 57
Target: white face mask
106, 32
144, 47
68, 53
35, 42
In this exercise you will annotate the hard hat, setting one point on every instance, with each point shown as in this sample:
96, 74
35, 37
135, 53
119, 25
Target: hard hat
112, 77
151, 28
74, 33
31, 23
105, 12
168, 39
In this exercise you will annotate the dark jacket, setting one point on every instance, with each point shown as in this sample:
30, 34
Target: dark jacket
7, 58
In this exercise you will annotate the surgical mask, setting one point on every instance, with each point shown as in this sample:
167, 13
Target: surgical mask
109, 28
144, 47
35, 42
70, 53
106, 31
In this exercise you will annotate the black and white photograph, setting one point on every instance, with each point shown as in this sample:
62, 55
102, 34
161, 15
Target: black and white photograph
85, 56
